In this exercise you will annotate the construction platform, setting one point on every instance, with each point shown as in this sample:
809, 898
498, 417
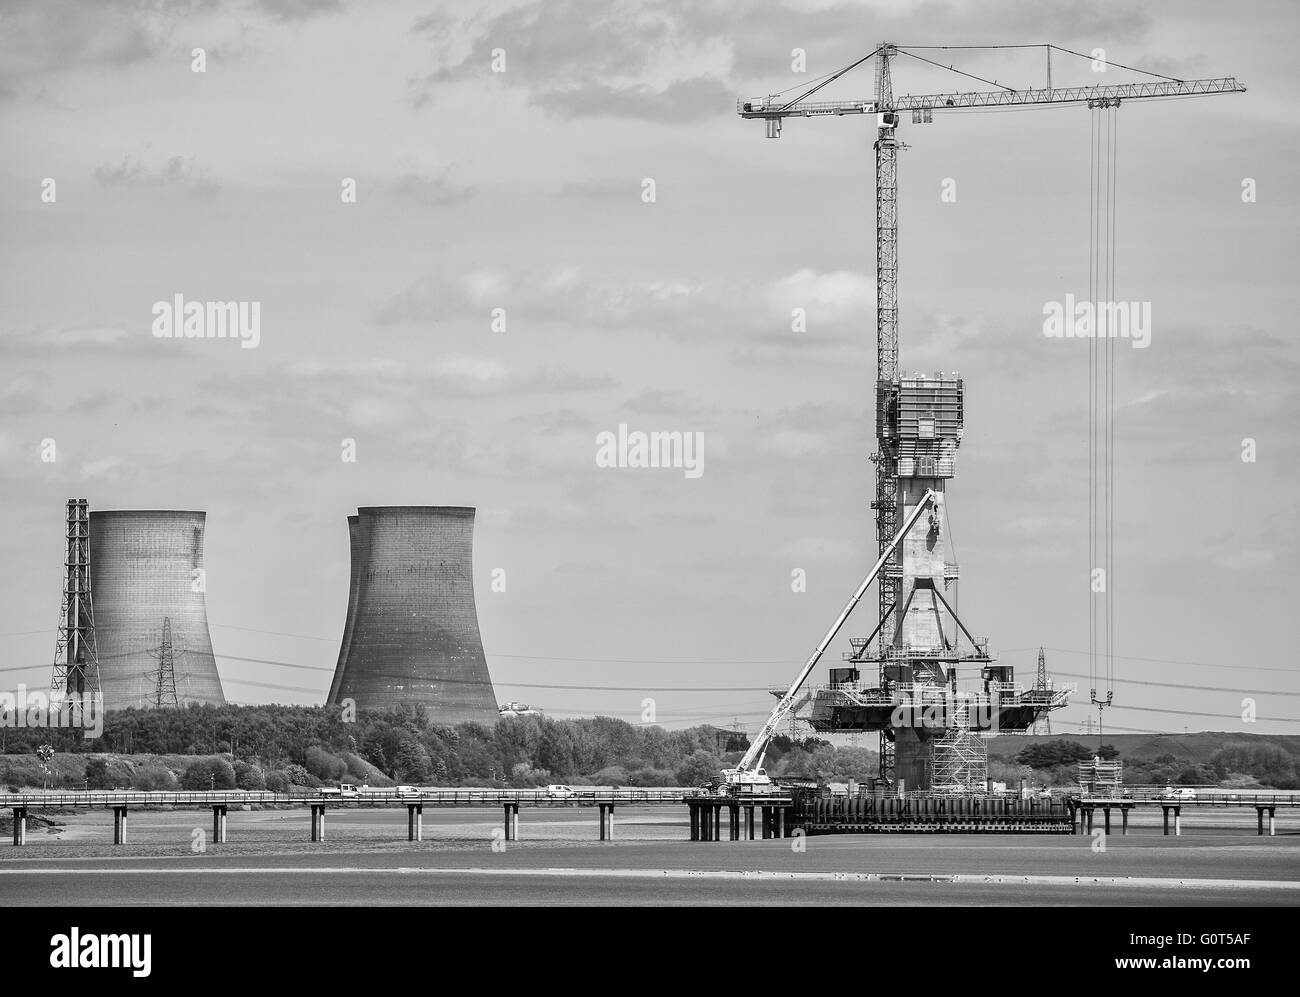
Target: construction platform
867, 814
848, 707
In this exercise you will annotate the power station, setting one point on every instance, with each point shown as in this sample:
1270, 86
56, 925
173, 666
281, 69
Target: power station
411, 634
147, 588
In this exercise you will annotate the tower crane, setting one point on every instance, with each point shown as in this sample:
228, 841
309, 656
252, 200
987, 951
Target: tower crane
773, 110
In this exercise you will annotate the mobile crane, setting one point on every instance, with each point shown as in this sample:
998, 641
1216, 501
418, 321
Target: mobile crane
749, 776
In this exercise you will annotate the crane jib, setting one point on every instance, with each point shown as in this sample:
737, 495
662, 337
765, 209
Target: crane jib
759, 747
765, 108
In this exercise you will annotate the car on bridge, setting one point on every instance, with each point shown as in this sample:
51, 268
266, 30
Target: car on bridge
560, 793
1181, 793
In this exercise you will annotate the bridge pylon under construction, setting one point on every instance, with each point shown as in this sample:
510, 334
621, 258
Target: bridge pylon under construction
905, 680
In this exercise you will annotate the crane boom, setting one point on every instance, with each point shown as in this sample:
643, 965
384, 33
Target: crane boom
766, 107
753, 757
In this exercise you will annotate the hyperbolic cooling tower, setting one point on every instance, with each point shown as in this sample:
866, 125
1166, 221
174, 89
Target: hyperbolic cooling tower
147, 567
411, 633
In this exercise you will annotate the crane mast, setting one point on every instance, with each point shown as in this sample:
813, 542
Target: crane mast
886, 500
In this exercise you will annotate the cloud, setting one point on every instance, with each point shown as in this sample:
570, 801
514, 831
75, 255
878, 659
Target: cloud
108, 469
684, 100
751, 311
176, 173
673, 60
25, 391
298, 10
97, 340
432, 191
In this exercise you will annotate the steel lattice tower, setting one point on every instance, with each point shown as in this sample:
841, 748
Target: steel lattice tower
1043, 726
76, 660
165, 692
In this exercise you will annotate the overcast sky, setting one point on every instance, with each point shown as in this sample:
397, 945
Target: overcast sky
522, 190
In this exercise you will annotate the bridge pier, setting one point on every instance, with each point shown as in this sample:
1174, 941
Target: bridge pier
749, 821
766, 820
606, 821
1106, 817
734, 828
20, 826
780, 822
512, 821
317, 821
1123, 814
219, 823
119, 825
1178, 818
415, 822
1273, 823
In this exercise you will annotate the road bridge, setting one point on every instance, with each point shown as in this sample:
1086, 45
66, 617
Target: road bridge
121, 802
1083, 808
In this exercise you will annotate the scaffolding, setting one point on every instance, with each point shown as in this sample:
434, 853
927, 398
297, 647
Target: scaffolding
960, 760
1101, 779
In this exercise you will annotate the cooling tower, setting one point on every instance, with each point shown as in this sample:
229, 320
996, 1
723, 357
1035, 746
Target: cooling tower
411, 633
147, 567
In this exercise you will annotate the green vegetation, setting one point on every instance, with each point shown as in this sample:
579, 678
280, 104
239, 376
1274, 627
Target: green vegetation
1203, 759
277, 747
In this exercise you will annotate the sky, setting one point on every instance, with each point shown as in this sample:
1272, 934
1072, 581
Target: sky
524, 190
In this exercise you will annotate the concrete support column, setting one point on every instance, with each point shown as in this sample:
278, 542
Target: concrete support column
20, 826
119, 825
749, 821
415, 822
1259, 812
1123, 815
695, 821
733, 821
1088, 811
1272, 822
766, 819
780, 822
717, 822
512, 821
1106, 817
218, 824
317, 822
1178, 821
606, 821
